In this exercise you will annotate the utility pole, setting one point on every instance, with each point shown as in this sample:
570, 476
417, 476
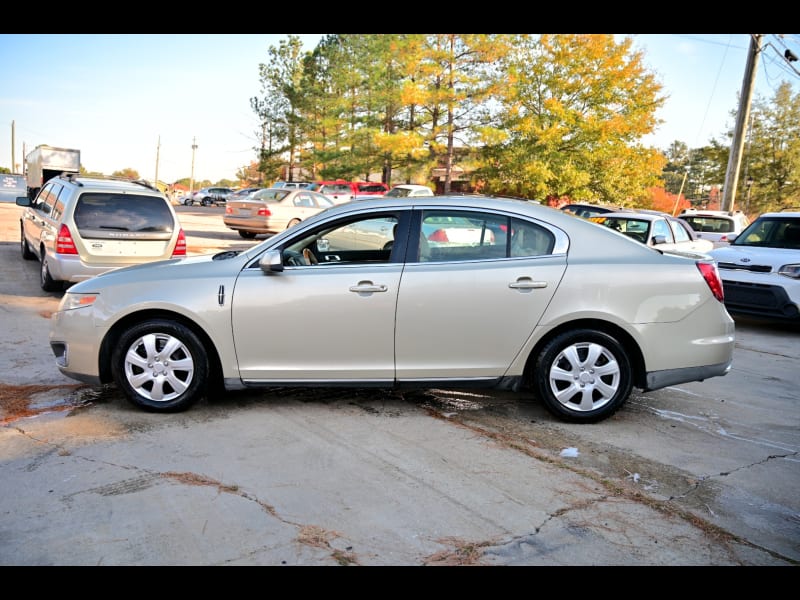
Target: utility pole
737, 144
191, 181
13, 163
158, 150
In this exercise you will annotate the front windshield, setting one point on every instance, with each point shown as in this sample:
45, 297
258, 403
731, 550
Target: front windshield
771, 232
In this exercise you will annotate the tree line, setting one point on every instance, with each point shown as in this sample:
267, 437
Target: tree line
539, 116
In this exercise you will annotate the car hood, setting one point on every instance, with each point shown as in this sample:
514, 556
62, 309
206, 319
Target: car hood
222, 264
754, 255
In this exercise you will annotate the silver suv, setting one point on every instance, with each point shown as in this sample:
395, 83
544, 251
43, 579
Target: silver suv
78, 227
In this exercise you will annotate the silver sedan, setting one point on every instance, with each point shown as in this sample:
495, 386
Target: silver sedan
358, 295
271, 210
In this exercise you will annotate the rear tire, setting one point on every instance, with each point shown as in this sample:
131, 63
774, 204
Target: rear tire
583, 376
161, 366
248, 235
46, 280
292, 222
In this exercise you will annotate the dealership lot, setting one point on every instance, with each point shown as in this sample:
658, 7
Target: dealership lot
699, 474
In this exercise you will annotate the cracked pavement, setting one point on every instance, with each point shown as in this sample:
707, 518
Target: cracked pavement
700, 474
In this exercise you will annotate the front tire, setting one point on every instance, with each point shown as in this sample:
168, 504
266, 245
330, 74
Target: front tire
161, 366
24, 248
583, 376
248, 235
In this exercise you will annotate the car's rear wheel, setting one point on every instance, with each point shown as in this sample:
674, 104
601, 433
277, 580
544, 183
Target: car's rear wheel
26, 250
248, 235
292, 222
46, 279
583, 376
161, 366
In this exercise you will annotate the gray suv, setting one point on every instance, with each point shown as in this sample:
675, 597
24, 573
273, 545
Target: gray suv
209, 195
78, 227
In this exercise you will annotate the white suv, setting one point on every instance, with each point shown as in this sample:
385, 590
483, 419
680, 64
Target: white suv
715, 225
78, 227
760, 269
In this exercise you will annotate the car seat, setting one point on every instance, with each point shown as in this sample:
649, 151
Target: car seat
424, 248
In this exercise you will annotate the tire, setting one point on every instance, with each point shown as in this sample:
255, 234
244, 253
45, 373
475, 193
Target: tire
25, 249
45, 278
248, 235
583, 376
154, 381
292, 222
206, 202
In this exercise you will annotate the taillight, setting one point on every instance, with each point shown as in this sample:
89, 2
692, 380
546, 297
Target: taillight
180, 245
264, 212
711, 275
64, 243
440, 235
228, 210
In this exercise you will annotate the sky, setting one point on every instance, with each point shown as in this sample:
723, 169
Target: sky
141, 101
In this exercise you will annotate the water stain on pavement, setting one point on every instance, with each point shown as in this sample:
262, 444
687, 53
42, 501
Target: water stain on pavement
23, 401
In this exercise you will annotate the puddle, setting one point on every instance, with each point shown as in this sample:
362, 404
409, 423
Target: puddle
25, 401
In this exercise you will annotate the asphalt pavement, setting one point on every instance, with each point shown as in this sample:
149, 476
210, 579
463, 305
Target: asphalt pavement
705, 474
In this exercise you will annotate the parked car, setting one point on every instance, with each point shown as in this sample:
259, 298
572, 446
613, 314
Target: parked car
242, 193
760, 268
652, 228
574, 313
339, 191
408, 190
371, 188
272, 209
292, 184
78, 227
208, 196
715, 225
587, 211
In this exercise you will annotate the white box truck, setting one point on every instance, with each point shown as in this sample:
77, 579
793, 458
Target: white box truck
45, 162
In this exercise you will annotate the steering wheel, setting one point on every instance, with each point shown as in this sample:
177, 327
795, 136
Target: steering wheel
309, 257
294, 259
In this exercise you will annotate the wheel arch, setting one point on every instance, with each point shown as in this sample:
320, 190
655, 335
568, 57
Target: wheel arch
111, 340
639, 374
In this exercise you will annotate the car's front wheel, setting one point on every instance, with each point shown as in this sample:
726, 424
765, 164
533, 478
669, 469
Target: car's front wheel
583, 376
161, 366
248, 235
26, 250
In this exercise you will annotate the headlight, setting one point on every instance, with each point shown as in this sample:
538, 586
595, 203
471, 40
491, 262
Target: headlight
792, 271
71, 301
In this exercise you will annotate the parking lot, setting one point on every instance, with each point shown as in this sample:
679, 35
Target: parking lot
698, 474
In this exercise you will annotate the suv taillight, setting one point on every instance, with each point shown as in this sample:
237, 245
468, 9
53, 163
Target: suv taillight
711, 275
64, 242
180, 245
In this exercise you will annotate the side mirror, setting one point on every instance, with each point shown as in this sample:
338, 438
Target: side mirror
659, 239
23, 201
271, 262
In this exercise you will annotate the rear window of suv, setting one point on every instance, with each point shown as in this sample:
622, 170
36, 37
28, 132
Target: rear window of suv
99, 211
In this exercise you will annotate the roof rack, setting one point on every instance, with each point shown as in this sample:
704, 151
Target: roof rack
72, 178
